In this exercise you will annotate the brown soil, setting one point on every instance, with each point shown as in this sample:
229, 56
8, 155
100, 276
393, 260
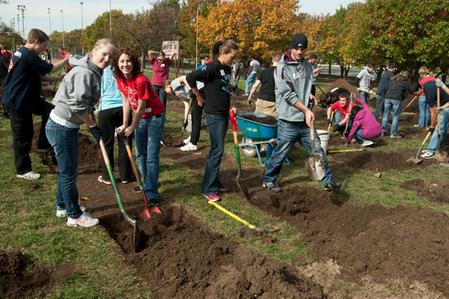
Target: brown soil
269, 120
17, 281
436, 191
182, 259
378, 161
406, 243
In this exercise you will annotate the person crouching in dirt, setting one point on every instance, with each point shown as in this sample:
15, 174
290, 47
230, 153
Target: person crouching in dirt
266, 98
341, 109
436, 141
365, 127
398, 89
74, 103
181, 88
216, 77
148, 120
293, 78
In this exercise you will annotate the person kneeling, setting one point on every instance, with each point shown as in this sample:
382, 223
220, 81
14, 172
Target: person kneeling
365, 127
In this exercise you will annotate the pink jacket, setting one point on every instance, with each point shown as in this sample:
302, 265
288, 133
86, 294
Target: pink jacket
366, 120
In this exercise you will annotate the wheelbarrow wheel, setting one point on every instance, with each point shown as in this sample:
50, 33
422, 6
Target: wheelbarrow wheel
248, 151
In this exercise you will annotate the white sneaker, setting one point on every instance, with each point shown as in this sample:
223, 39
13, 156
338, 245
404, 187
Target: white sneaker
85, 220
187, 140
31, 175
189, 147
63, 213
427, 155
367, 143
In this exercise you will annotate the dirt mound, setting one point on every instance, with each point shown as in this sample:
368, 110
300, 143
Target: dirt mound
379, 161
342, 83
405, 243
88, 155
184, 260
17, 282
436, 191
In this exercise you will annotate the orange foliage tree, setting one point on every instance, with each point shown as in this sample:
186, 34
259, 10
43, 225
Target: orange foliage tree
260, 27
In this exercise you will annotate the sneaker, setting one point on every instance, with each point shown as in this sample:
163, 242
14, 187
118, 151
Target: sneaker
332, 186
85, 220
187, 140
63, 213
30, 175
416, 126
104, 181
212, 197
136, 190
125, 181
427, 155
271, 186
383, 133
396, 136
424, 151
189, 147
367, 143
155, 210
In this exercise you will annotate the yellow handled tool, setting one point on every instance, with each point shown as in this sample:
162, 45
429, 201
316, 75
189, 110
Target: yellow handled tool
346, 150
232, 215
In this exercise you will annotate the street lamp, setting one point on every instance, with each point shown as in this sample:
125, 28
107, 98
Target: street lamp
21, 8
110, 20
62, 26
82, 29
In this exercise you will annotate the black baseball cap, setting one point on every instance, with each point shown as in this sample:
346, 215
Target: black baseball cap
299, 41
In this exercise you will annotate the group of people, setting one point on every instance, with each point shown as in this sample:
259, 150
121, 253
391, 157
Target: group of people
132, 106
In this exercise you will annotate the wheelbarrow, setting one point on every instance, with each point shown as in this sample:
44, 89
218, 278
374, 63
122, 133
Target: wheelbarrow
256, 134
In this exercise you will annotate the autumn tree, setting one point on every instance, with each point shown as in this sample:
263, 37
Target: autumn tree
260, 27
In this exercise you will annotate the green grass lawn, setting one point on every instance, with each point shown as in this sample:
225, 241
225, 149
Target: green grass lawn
29, 224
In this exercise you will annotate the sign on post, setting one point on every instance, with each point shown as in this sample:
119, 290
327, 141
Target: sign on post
171, 46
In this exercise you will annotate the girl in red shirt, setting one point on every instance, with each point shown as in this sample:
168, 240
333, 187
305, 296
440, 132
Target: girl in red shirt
148, 120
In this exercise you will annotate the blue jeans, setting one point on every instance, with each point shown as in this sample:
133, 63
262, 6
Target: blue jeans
358, 135
390, 105
379, 106
160, 91
65, 145
148, 137
444, 125
249, 82
216, 126
288, 134
424, 112
364, 96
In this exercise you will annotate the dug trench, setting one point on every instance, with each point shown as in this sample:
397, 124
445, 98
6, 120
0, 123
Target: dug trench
380, 243
179, 258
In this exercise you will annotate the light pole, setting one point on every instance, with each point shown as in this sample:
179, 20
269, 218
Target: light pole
21, 8
82, 29
18, 21
196, 38
110, 20
62, 26
49, 21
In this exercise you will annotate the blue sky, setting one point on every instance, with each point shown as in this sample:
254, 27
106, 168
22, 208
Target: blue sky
36, 12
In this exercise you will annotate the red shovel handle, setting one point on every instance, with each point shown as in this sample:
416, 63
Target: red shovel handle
233, 121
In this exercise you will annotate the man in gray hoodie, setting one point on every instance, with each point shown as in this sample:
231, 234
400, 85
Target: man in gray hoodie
293, 80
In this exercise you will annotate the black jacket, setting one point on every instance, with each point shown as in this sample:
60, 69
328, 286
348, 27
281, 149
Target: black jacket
398, 90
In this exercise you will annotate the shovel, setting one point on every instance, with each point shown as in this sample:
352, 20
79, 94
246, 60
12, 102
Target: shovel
118, 198
243, 189
145, 213
416, 160
409, 103
314, 164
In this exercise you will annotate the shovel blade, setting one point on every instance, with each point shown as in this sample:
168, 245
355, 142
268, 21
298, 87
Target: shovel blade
243, 189
315, 167
414, 160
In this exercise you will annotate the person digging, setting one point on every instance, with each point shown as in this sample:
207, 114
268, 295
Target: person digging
341, 109
293, 79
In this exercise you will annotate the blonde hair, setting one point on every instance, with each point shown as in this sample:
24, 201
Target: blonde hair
101, 43
423, 71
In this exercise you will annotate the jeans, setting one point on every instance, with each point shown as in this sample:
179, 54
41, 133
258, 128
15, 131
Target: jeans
65, 144
379, 106
108, 121
424, 112
148, 136
160, 91
197, 113
444, 125
216, 126
359, 136
389, 105
364, 96
288, 134
249, 82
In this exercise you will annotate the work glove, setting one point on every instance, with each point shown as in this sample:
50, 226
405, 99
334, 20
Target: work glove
335, 127
328, 121
439, 83
96, 132
430, 129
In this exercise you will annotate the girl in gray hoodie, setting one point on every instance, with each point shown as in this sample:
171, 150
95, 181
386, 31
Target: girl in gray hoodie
74, 103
